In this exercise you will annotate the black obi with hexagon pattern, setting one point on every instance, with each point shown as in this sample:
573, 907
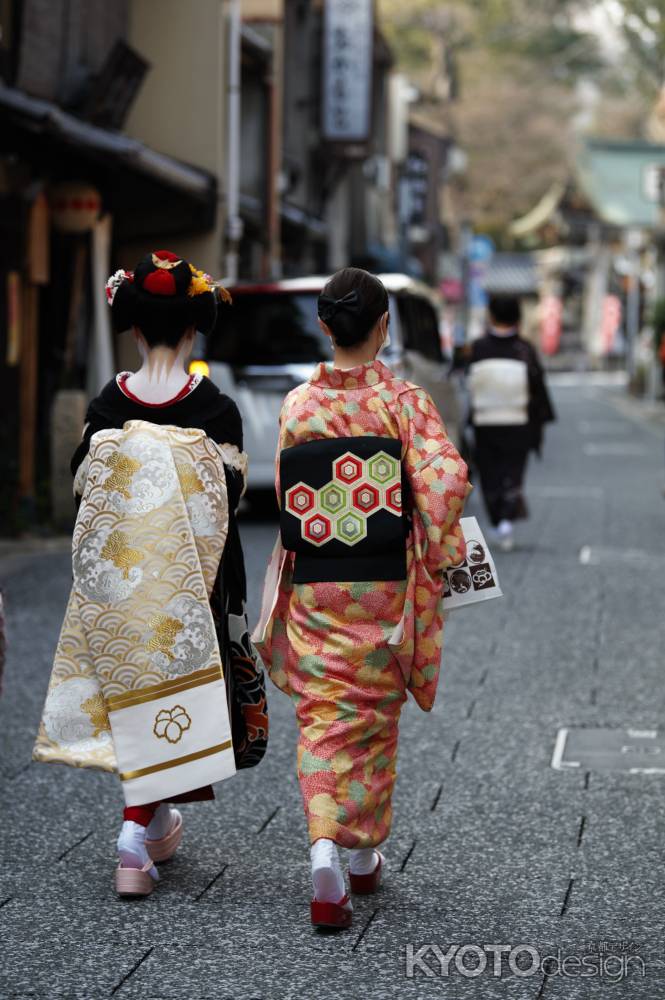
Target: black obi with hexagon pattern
343, 506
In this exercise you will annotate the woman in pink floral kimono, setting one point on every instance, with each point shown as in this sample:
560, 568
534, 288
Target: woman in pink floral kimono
371, 491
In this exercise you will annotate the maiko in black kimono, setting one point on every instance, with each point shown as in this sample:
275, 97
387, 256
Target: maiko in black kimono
201, 405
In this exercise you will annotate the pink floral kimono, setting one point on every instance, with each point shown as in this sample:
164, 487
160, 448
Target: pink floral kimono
347, 647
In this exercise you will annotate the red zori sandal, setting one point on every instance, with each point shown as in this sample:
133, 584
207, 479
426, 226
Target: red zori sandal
332, 914
364, 885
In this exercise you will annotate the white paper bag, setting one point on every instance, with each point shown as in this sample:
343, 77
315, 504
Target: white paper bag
475, 579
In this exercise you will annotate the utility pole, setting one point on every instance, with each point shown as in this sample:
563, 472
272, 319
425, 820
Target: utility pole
234, 225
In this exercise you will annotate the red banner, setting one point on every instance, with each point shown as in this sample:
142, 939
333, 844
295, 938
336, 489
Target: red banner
551, 313
610, 323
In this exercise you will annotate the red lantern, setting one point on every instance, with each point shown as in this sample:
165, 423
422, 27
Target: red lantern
75, 207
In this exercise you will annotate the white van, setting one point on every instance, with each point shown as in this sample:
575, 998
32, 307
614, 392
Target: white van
269, 341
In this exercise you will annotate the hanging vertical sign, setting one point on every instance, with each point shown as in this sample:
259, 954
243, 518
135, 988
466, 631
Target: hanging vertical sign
348, 27
416, 172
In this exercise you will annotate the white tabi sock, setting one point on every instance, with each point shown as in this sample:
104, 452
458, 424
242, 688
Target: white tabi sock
505, 535
161, 822
131, 848
327, 877
363, 860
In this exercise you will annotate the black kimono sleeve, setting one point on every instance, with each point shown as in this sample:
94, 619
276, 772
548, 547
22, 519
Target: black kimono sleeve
541, 410
226, 428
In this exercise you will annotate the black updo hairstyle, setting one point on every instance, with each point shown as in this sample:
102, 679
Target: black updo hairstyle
157, 298
350, 304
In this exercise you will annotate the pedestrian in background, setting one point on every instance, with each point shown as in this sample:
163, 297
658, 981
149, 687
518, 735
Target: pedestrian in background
509, 407
371, 492
155, 638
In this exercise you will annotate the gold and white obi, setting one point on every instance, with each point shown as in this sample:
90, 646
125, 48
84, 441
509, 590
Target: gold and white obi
137, 684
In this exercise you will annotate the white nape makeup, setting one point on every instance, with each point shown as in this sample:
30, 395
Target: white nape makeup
163, 372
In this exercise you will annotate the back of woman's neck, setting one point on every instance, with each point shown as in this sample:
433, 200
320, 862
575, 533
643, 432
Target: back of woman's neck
161, 376
345, 360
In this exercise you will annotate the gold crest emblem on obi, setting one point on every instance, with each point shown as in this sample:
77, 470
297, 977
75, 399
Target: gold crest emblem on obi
95, 707
189, 481
171, 724
165, 631
119, 551
124, 468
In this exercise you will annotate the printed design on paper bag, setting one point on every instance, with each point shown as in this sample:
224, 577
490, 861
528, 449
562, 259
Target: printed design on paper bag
340, 509
475, 553
474, 573
171, 724
482, 577
460, 581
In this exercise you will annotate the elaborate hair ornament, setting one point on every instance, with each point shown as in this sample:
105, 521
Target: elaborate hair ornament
162, 280
202, 282
164, 262
114, 282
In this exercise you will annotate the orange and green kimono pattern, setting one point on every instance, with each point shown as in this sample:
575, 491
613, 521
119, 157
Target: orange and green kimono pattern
348, 652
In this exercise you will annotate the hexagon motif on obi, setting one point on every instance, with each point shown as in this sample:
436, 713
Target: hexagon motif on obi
333, 498
348, 468
340, 509
366, 498
382, 467
300, 499
351, 528
317, 529
394, 498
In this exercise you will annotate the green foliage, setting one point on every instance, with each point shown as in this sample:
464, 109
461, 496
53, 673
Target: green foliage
541, 31
503, 75
643, 29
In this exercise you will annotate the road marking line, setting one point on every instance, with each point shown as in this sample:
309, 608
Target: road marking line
594, 555
615, 448
603, 427
557, 762
569, 380
568, 492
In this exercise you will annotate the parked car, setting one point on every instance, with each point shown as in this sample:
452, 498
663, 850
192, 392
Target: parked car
269, 341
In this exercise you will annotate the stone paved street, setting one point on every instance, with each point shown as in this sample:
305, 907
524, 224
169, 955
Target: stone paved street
490, 845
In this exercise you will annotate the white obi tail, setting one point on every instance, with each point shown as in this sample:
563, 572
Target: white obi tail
137, 684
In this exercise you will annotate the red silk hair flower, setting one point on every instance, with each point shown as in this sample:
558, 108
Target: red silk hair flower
160, 282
